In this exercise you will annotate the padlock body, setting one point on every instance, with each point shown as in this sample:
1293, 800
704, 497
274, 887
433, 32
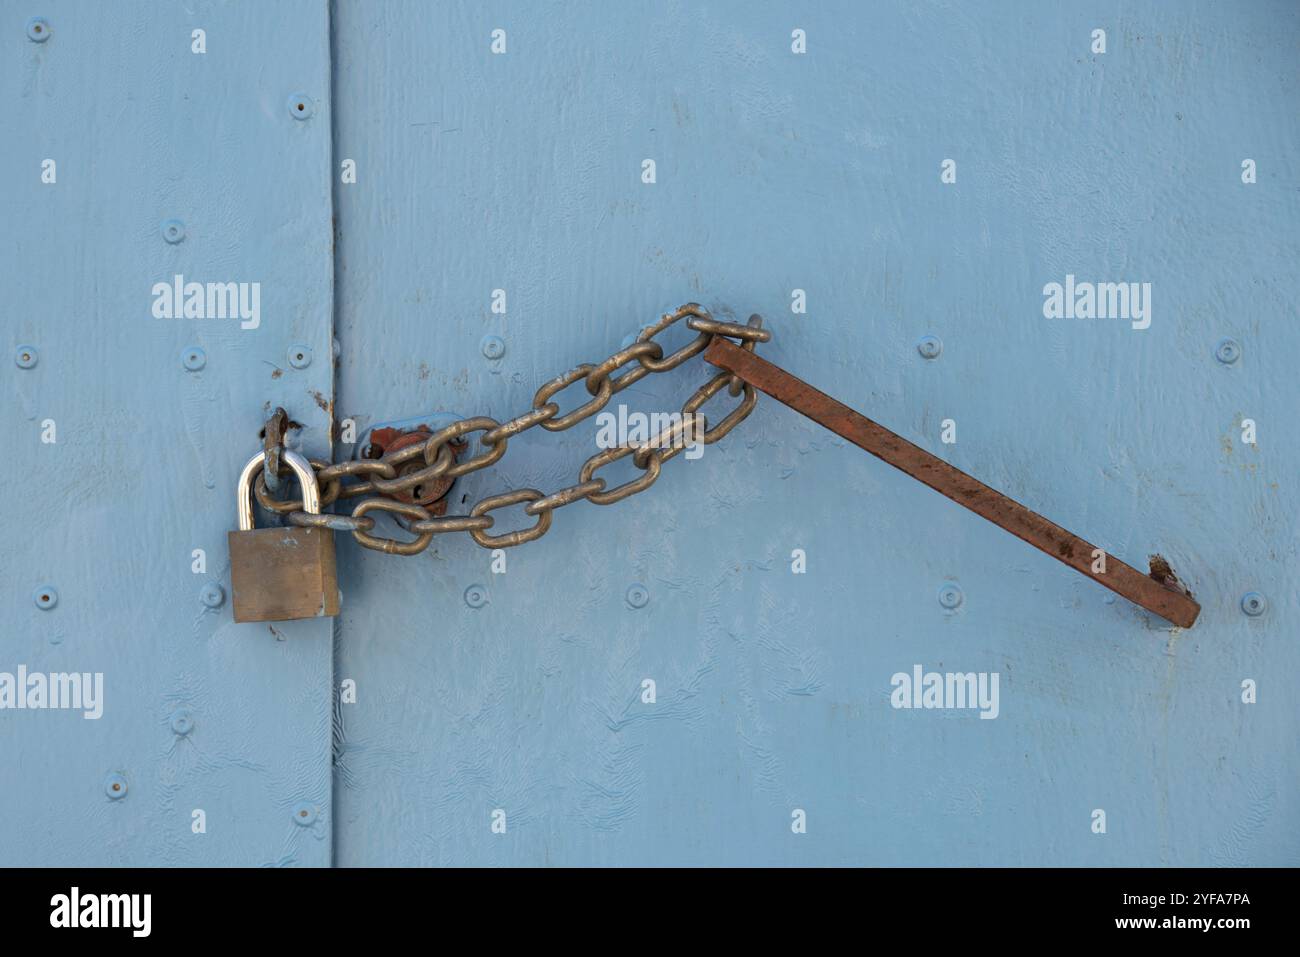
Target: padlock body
279, 574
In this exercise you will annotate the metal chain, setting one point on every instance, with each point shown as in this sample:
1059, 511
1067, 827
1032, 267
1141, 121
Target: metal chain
380, 476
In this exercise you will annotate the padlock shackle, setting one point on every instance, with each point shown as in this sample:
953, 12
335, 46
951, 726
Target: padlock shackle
306, 478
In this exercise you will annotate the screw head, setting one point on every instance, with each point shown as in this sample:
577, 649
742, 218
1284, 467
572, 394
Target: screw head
115, 786
300, 106
304, 814
494, 347
212, 595
1254, 604
950, 596
299, 356
182, 722
173, 231
929, 347
476, 596
1227, 351
45, 597
38, 29
637, 595
194, 358
26, 357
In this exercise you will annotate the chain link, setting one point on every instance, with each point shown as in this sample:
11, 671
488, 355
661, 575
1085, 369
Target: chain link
380, 476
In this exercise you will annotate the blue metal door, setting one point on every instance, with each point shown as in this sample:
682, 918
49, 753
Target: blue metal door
505, 147
467, 200
142, 157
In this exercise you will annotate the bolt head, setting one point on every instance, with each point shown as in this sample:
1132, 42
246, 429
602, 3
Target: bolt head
1254, 604
950, 596
182, 722
929, 347
300, 106
1227, 351
173, 231
46, 597
212, 595
194, 358
26, 357
637, 595
476, 596
494, 347
299, 356
38, 29
115, 786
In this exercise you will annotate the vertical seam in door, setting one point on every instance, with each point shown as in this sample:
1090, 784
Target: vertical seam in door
336, 623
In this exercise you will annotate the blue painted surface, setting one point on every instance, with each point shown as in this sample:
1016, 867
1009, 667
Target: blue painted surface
775, 172
143, 131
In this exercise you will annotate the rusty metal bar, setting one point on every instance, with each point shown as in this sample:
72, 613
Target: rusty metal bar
1006, 513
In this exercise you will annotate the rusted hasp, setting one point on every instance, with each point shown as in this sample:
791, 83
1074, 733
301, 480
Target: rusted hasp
1004, 512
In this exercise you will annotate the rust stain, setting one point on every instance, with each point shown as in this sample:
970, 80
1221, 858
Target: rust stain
1161, 572
432, 494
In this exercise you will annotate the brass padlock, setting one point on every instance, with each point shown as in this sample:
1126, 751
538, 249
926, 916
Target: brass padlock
278, 574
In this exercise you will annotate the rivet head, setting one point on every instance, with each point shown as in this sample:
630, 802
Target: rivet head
1227, 351
299, 356
950, 596
115, 786
300, 106
212, 595
929, 347
194, 358
38, 29
45, 597
637, 595
182, 722
1254, 604
26, 357
304, 814
173, 231
476, 596
494, 347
